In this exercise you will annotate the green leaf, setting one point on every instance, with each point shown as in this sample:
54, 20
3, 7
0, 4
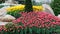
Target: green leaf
43, 30
38, 30
47, 31
25, 31
30, 30
21, 31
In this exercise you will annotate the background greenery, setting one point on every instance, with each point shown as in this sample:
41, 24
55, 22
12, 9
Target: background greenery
56, 7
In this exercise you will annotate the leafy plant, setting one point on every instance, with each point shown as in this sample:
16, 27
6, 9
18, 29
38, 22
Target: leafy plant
14, 13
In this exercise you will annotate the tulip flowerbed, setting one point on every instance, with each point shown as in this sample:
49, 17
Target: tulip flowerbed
14, 10
32, 23
30, 20
22, 7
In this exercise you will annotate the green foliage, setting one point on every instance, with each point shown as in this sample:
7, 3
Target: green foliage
1, 6
57, 29
56, 6
28, 6
14, 13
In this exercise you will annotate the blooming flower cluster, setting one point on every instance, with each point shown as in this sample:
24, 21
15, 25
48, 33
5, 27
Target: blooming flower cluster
37, 19
21, 7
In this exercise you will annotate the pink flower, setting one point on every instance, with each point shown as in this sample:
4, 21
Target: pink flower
14, 21
1, 29
18, 20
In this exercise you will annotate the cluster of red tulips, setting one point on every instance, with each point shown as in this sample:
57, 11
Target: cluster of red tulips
32, 23
37, 19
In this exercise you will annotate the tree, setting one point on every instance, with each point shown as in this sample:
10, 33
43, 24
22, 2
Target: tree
28, 6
